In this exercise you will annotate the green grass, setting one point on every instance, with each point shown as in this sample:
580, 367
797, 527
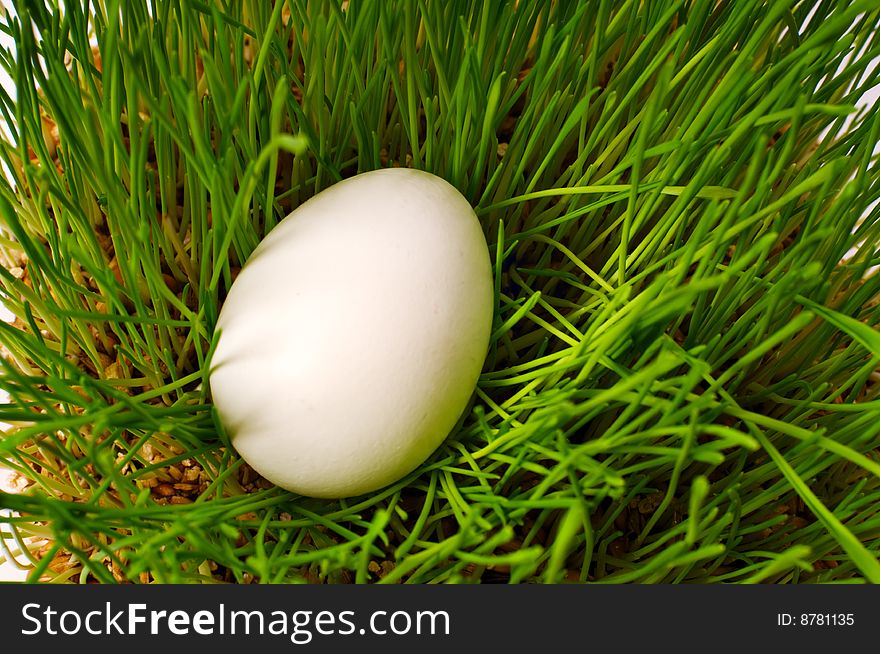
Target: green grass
682, 384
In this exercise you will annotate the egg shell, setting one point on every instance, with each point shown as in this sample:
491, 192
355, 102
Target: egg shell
352, 339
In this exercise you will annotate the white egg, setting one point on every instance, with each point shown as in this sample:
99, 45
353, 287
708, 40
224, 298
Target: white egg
352, 339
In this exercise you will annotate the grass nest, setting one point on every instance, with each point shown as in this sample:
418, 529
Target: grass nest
680, 199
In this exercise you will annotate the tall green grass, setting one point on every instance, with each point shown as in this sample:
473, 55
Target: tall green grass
681, 203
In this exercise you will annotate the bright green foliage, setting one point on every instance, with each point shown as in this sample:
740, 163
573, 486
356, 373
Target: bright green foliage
682, 384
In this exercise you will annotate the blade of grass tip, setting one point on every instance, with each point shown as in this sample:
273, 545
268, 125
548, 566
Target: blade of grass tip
525, 308
796, 556
563, 542
436, 552
572, 121
267, 43
279, 98
796, 324
498, 268
36, 573
646, 125
680, 463
419, 525
864, 560
699, 491
859, 331
706, 192
487, 134
296, 145
377, 527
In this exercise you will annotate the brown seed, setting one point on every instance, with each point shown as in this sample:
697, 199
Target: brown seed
114, 268
113, 371
507, 124
511, 546
118, 574
469, 570
650, 503
170, 282
164, 490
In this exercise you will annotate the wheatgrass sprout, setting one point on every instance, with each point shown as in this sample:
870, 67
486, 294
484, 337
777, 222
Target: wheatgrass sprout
681, 204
